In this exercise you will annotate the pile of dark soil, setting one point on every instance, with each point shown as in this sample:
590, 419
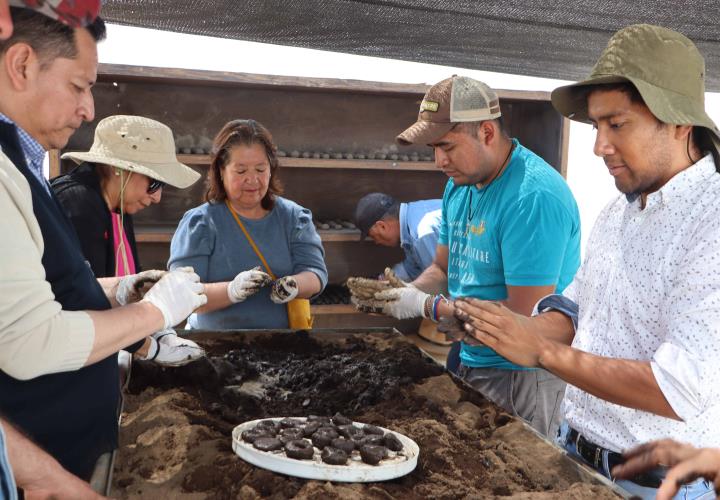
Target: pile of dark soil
175, 435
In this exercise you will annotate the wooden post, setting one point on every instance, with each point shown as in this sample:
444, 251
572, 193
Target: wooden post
54, 160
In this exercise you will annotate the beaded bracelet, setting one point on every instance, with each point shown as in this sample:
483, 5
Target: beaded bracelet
436, 301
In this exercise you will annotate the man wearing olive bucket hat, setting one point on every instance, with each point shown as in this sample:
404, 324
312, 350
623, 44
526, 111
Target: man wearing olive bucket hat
124, 172
636, 335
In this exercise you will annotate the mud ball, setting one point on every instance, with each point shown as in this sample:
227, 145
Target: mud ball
299, 449
340, 419
323, 437
343, 444
251, 435
268, 444
372, 429
392, 442
350, 431
310, 428
290, 422
371, 454
290, 434
333, 456
318, 418
372, 439
269, 425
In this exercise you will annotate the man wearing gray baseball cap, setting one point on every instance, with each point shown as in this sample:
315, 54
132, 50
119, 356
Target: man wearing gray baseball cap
510, 232
636, 335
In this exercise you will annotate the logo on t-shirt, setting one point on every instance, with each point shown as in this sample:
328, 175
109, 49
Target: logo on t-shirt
477, 230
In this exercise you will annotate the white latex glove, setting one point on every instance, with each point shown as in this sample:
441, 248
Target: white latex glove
131, 288
177, 295
400, 303
247, 283
284, 290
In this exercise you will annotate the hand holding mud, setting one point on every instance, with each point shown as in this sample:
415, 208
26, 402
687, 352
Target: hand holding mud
177, 294
688, 464
390, 296
284, 290
132, 288
454, 329
509, 334
247, 283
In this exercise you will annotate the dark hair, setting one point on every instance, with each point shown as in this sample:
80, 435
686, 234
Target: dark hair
49, 39
625, 87
241, 133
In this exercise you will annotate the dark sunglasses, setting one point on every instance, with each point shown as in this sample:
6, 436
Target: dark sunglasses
154, 186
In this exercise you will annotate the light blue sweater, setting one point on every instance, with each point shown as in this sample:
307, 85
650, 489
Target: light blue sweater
209, 240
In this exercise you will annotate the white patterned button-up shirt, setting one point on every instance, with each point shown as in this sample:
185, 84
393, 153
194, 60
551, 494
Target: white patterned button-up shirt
649, 290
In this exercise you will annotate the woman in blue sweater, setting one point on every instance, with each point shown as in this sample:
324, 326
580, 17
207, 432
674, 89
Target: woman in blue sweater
244, 189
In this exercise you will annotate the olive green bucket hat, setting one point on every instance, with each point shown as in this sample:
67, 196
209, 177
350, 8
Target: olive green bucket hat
665, 67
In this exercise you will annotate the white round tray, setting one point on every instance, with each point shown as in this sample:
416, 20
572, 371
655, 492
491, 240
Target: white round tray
356, 471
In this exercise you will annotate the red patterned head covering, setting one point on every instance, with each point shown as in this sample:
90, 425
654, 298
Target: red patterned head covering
74, 13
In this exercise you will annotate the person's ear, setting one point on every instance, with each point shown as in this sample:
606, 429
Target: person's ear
21, 65
682, 132
486, 132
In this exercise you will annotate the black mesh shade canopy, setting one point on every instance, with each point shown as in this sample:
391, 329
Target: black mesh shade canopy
554, 39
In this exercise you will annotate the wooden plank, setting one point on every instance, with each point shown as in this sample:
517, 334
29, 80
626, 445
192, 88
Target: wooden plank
156, 235
333, 309
54, 161
204, 160
564, 146
113, 72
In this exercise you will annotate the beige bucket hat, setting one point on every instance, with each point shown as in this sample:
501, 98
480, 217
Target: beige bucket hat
140, 145
665, 67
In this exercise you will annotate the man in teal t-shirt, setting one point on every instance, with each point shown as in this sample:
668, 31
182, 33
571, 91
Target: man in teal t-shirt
510, 232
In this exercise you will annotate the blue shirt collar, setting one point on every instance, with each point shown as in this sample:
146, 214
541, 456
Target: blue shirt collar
32, 150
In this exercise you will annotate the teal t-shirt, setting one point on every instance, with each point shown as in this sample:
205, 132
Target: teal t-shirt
521, 230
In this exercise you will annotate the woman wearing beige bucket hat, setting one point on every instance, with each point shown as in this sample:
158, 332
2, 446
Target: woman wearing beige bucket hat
124, 172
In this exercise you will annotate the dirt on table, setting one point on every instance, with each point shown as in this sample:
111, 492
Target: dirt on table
175, 437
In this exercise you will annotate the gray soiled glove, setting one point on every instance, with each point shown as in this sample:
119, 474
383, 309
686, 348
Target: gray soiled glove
133, 287
247, 283
284, 290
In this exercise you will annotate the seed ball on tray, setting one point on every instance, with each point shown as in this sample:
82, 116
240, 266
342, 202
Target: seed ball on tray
290, 434
299, 449
334, 456
268, 444
340, 419
318, 418
372, 439
290, 422
392, 442
371, 454
349, 431
373, 429
341, 443
268, 424
310, 428
323, 437
251, 435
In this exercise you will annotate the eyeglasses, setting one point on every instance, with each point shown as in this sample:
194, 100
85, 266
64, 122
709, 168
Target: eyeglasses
155, 186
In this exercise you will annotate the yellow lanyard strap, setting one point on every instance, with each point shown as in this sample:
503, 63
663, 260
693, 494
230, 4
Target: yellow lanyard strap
250, 240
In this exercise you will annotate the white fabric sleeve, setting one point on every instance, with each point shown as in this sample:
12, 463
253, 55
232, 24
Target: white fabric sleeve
686, 362
36, 336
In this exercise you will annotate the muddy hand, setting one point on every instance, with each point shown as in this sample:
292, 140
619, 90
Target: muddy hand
365, 288
452, 328
132, 288
462, 318
284, 290
246, 284
394, 281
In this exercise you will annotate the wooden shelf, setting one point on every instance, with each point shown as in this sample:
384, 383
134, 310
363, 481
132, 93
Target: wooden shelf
334, 309
161, 234
204, 160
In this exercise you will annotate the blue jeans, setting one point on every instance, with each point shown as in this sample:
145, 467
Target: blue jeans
697, 490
